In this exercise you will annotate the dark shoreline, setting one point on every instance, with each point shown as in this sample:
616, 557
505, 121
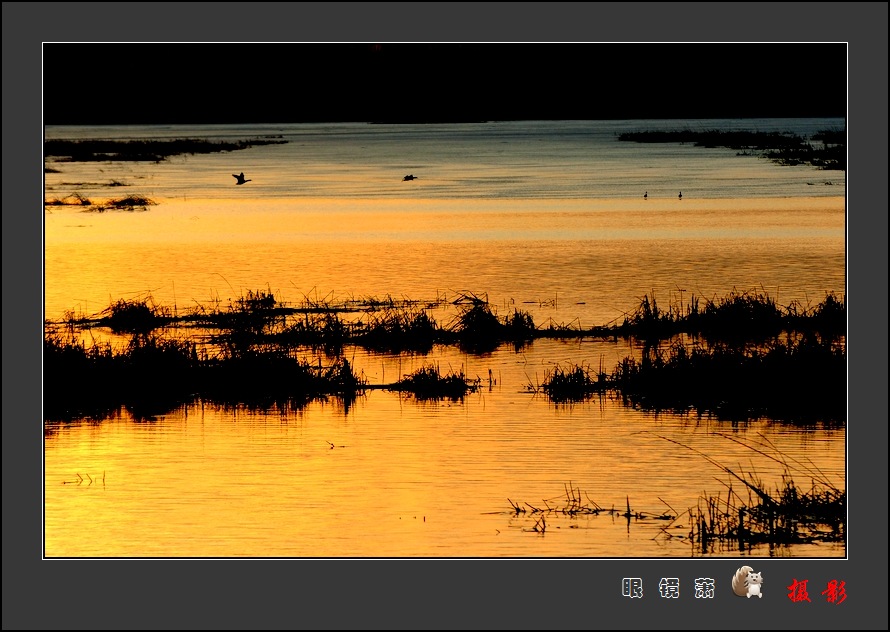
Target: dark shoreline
827, 149
143, 150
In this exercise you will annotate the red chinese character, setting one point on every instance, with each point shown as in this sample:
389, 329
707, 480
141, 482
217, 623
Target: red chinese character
798, 591
835, 593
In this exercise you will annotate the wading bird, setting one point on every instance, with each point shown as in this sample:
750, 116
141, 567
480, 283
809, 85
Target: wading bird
240, 178
409, 177
680, 197
646, 195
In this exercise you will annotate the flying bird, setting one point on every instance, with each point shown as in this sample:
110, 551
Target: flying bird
409, 177
240, 178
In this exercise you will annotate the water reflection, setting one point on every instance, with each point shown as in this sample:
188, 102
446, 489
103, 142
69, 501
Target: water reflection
391, 476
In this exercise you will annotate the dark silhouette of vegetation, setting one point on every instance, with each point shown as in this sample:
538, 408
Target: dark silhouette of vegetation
132, 202
783, 148
574, 383
142, 150
134, 316
796, 381
429, 383
161, 374
75, 199
753, 514
737, 317
398, 331
748, 515
737, 358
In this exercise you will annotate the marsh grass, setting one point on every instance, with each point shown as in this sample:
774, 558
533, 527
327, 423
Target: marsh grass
387, 325
747, 515
151, 373
397, 331
574, 383
429, 383
479, 329
777, 381
139, 315
131, 203
574, 504
75, 199
825, 150
751, 513
736, 318
739, 358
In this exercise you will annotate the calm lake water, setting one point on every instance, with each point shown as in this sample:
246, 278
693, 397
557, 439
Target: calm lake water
547, 217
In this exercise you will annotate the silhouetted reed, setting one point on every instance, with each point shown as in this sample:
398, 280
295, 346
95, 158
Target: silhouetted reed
736, 318
132, 202
746, 357
478, 329
398, 331
749, 514
160, 374
259, 317
571, 505
429, 383
794, 381
75, 199
134, 316
752, 513
572, 384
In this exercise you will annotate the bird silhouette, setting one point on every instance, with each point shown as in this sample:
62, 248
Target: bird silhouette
240, 178
409, 177
645, 195
680, 197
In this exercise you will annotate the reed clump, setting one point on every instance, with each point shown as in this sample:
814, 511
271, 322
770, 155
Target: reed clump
132, 202
139, 315
574, 383
777, 381
158, 374
480, 329
75, 199
774, 517
81, 380
752, 514
739, 317
396, 331
428, 383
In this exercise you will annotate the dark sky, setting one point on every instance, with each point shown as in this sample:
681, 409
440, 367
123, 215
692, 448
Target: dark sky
280, 83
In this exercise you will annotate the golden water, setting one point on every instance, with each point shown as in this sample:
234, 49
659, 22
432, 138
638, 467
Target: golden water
552, 222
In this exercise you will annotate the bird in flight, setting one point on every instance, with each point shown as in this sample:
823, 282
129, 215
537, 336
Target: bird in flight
240, 178
409, 177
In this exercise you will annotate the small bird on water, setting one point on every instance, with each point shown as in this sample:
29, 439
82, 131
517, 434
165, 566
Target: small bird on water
409, 177
240, 178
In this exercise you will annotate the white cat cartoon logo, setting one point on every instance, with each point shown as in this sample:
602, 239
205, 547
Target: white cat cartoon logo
747, 583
